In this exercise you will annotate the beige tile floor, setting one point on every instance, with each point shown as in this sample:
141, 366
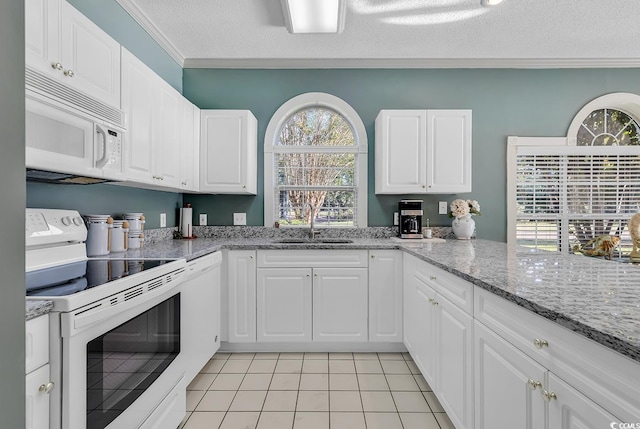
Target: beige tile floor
312, 391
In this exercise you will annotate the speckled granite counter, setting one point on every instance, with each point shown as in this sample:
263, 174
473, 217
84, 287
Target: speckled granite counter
37, 308
595, 298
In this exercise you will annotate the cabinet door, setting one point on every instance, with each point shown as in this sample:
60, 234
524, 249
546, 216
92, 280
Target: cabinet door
340, 304
385, 295
569, 409
228, 152
189, 145
37, 401
90, 57
507, 384
284, 304
425, 353
241, 277
448, 151
138, 102
166, 136
42, 36
401, 152
454, 347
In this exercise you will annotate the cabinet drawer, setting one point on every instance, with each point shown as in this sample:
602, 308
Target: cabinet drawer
606, 377
312, 258
455, 289
36, 343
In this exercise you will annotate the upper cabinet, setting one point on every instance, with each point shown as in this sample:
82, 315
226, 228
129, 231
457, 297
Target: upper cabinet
67, 47
423, 151
161, 139
189, 147
228, 152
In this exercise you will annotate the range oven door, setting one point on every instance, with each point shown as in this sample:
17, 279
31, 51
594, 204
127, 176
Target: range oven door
118, 364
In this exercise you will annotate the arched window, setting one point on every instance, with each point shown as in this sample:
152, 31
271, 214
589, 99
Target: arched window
563, 192
316, 164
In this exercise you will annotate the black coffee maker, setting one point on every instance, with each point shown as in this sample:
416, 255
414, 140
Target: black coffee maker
410, 218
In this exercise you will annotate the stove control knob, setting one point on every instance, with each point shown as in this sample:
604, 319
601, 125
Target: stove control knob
66, 221
77, 220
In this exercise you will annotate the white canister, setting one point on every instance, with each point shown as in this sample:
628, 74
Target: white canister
119, 236
136, 239
98, 227
136, 220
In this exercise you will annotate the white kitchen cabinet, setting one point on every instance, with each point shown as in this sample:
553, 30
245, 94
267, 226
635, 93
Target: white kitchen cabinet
508, 384
585, 385
189, 147
442, 344
423, 151
284, 310
228, 152
326, 291
66, 46
159, 129
38, 383
241, 296
340, 304
385, 295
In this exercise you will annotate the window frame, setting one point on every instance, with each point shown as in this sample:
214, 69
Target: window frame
625, 102
360, 148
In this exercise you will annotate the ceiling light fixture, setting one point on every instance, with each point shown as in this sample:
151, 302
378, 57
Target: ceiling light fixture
490, 2
314, 16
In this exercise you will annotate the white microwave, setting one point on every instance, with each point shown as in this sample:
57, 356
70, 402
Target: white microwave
64, 144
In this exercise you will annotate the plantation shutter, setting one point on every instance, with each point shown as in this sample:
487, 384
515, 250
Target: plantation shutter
566, 195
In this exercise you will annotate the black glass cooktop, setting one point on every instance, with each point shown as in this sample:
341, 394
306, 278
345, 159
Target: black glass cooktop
78, 276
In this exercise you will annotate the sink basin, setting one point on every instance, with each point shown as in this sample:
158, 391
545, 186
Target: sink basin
318, 241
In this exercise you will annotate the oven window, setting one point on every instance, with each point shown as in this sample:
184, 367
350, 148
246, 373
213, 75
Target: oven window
124, 362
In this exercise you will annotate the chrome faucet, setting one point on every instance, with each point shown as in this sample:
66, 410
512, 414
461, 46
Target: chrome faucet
312, 231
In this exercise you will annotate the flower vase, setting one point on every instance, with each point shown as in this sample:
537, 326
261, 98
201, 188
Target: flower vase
463, 227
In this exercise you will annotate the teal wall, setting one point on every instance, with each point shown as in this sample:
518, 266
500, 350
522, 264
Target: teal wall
504, 102
106, 199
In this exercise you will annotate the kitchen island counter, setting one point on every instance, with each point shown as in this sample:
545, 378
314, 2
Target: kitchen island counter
595, 298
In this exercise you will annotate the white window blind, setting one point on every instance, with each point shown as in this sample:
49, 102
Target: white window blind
567, 195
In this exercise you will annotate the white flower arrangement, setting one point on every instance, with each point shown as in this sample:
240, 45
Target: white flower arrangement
460, 208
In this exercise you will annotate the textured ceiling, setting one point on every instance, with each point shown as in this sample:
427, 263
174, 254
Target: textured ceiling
515, 33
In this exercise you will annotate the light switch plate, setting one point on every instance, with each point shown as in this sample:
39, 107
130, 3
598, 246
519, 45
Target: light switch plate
239, 218
163, 220
203, 219
442, 207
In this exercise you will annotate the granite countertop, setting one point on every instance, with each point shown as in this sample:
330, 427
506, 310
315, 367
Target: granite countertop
37, 308
595, 298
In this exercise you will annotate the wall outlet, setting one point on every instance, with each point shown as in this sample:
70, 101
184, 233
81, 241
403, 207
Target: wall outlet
163, 220
442, 207
396, 219
203, 219
239, 218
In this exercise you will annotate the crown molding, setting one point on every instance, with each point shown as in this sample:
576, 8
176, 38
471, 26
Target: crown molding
410, 63
155, 33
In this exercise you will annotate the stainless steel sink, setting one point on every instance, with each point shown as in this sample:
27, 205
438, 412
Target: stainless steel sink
316, 241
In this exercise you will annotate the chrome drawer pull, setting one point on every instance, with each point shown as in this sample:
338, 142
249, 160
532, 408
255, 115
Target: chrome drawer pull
540, 343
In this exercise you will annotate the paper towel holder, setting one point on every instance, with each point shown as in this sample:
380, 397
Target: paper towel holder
186, 222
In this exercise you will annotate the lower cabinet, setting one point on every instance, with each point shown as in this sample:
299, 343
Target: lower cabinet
385, 296
38, 383
340, 304
241, 295
439, 337
284, 304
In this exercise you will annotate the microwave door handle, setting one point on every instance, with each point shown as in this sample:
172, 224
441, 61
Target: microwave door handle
100, 163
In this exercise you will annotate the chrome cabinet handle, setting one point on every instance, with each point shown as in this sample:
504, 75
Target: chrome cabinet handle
46, 388
540, 343
549, 396
534, 384
432, 278
56, 66
373, 256
69, 73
